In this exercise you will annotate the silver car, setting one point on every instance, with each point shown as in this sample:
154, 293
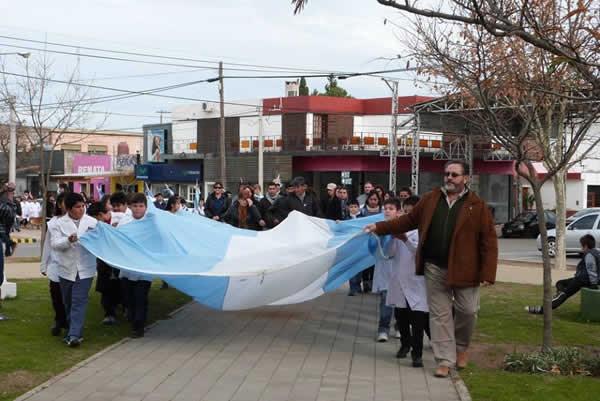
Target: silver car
587, 224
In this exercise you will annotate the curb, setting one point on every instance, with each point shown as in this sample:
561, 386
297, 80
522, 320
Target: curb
97, 355
460, 386
25, 240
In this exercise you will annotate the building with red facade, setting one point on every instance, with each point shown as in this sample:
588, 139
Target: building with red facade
329, 139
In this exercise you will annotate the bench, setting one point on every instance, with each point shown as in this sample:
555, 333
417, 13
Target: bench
590, 304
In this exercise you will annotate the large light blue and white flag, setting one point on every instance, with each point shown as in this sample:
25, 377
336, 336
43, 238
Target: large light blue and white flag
228, 268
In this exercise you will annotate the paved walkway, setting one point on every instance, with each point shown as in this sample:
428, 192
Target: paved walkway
319, 350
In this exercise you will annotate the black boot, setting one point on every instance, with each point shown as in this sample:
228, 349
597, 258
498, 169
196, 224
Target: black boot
403, 351
137, 329
55, 330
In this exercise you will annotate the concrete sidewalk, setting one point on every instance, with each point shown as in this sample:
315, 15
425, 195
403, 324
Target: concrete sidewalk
319, 350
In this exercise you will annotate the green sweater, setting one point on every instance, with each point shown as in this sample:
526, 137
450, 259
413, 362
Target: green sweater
439, 236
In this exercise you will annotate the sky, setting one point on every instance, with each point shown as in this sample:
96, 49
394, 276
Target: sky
329, 35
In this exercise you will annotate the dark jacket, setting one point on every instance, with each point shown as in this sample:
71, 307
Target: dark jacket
232, 217
210, 207
8, 212
263, 207
284, 205
588, 268
332, 208
473, 254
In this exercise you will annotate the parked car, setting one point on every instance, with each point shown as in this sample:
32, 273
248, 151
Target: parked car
588, 224
582, 213
526, 225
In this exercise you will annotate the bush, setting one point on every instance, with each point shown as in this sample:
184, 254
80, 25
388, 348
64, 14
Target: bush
560, 361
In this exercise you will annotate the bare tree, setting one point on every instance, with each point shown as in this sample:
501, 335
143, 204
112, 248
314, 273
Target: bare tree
524, 73
518, 95
49, 108
573, 36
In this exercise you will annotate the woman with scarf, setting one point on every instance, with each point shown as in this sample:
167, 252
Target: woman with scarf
243, 213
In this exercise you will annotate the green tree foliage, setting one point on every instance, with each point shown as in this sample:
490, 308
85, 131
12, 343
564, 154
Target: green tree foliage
332, 89
303, 87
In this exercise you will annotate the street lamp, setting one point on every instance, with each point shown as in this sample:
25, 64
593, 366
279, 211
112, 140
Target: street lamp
12, 144
24, 55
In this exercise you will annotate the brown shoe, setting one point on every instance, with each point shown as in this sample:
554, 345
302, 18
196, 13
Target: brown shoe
442, 371
461, 360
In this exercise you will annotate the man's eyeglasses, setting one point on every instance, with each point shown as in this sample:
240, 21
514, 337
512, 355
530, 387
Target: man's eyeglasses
218, 187
452, 174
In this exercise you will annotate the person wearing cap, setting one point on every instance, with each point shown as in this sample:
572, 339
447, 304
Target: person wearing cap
299, 199
332, 205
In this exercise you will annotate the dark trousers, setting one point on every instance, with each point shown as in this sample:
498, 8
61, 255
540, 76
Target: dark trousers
411, 325
355, 283
367, 278
60, 316
111, 298
124, 284
566, 288
138, 301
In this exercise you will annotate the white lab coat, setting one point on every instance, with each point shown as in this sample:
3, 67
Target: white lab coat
404, 284
383, 268
116, 217
130, 275
48, 263
71, 257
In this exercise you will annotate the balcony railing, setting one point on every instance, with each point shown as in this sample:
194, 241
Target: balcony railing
430, 143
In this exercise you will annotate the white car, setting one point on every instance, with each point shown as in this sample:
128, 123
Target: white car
587, 224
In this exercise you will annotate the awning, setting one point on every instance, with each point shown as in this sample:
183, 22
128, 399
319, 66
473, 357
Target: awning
574, 172
89, 176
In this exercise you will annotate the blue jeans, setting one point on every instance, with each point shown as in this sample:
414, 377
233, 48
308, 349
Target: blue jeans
75, 297
355, 282
385, 313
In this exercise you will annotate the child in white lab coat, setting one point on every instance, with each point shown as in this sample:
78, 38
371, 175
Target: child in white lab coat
406, 291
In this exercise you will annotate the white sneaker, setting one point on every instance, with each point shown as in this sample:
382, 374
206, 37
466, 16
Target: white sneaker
382, 337
396, 334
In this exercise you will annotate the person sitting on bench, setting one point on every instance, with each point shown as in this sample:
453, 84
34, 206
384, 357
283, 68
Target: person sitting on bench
586, 275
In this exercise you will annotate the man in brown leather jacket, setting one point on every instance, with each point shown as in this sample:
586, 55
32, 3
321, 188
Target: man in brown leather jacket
457, 252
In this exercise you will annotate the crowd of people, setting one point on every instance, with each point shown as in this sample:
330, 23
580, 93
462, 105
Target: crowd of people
442, 250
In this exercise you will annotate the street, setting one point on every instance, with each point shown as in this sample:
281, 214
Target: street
525, 250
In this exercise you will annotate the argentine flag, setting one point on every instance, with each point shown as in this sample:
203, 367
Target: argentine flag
228, 268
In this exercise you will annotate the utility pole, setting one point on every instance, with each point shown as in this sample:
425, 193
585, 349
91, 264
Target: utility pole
260, 148
12, 147
222, 127
161, 112
393, 139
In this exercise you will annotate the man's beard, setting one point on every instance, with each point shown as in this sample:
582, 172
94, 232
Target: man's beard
451, 187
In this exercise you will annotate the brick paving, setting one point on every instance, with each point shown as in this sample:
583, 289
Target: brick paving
320, 350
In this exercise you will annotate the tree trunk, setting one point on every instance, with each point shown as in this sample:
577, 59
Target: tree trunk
547, 330
560, 260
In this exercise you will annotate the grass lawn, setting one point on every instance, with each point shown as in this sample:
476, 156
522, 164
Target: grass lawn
504, 326
29, 355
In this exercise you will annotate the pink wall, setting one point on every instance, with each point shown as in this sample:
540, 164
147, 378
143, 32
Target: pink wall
375, 163
92, 164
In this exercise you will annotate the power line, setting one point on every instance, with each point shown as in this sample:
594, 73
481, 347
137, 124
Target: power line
163, 57
142, 61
